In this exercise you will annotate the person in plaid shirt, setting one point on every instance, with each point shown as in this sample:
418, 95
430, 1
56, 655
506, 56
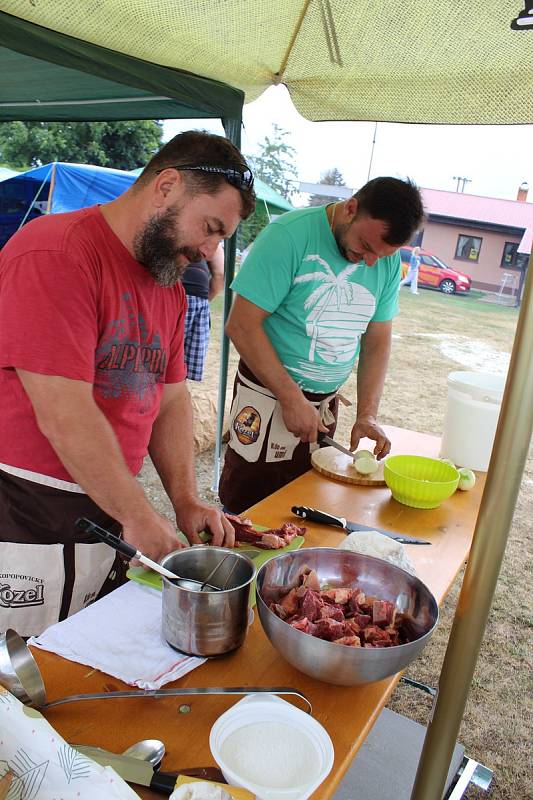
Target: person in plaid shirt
202, 281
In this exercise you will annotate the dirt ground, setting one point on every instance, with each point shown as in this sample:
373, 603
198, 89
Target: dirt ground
434, 335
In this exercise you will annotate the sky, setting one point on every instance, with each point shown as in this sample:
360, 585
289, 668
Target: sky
495, 158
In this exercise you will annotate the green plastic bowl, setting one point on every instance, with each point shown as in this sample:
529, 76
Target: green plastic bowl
420, 482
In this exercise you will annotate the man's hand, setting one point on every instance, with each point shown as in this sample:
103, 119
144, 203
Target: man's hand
302, 419
368, 427
154, 537
195, 516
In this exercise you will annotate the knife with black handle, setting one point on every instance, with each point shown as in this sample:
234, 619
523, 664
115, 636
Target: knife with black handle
314, 515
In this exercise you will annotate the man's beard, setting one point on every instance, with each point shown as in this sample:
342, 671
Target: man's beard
340, 238
157, 247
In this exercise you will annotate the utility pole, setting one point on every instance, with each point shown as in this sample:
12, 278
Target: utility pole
464, 181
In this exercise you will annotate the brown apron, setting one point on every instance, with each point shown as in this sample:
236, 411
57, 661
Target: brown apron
262, 455
49, 569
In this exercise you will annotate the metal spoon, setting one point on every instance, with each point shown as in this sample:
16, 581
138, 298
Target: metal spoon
149, 750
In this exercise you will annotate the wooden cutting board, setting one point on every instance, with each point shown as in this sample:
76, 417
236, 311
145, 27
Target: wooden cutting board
334, 464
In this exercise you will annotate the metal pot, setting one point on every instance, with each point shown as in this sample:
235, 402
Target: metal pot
207, 623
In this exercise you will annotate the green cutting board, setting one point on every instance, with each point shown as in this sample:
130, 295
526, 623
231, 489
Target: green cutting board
150, 578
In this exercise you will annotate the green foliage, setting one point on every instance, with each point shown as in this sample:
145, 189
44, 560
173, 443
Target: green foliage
331, 178
255, 223
121, 145
274, 164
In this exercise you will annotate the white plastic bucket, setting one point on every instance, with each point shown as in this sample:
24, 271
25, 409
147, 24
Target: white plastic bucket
474, 401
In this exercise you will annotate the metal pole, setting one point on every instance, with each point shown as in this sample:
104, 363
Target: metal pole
506, 466
232, 128
372, 152
52, 187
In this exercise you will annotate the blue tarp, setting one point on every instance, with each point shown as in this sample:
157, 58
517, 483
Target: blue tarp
25, 195
76, 185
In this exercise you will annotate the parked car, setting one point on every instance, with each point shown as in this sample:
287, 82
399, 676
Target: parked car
434, 273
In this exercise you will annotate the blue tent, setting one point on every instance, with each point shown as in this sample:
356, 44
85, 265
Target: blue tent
54, 188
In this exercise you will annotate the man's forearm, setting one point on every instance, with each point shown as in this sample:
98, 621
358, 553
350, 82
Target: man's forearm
172, 448
371, 373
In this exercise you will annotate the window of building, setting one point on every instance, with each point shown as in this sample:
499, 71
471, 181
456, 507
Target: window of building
468, 248
511, 258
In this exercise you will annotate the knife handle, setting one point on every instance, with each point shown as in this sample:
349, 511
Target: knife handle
165, 782
318, 516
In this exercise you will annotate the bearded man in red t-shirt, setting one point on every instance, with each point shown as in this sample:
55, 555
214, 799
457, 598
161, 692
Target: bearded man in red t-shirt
92, 378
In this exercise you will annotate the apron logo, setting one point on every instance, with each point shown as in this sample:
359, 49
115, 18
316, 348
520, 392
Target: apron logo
247, 425
19, 598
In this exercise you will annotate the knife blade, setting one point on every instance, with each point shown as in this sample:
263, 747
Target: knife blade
314, 515
134, 770
323, 438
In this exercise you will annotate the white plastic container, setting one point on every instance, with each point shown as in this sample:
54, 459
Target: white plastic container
474, 401
260, 774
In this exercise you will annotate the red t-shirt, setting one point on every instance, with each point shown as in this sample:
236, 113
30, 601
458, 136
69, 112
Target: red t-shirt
75, 303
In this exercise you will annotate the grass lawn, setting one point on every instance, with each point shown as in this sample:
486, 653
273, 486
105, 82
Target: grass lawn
430, 334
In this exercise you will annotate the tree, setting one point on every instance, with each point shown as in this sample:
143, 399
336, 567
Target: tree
274, 165
251, 227
330, 178
122, 145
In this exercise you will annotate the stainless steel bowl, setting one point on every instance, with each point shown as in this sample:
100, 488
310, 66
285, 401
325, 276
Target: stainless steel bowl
19, 672
336, 663
206, 623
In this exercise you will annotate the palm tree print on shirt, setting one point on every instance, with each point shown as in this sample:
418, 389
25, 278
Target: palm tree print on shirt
339, 312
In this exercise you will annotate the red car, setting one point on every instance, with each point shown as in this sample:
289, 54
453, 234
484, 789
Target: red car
434, 273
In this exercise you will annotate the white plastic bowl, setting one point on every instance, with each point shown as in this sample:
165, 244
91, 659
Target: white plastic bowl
265, 709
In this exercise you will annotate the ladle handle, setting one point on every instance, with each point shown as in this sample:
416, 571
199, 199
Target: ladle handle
109, 538
123, 547
240, 690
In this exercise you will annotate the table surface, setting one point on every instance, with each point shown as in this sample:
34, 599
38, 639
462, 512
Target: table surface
347, 713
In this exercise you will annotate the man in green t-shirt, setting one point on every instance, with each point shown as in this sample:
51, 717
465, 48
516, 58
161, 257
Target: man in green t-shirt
319, 288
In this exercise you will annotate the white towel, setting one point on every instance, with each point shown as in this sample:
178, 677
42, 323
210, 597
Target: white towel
121, 636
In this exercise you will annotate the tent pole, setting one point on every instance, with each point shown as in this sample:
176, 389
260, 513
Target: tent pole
52, 187
511, 444
33, 202
232, 128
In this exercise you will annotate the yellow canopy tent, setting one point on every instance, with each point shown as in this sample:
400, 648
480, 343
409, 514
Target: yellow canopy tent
454, 62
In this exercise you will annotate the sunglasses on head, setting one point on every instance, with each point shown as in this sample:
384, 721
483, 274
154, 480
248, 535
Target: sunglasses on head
240, 178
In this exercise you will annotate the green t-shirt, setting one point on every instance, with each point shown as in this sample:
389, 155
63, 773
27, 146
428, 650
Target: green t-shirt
319, 303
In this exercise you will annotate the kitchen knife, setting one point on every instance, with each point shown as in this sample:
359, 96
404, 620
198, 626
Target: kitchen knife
314, 515
323, 438
134, 770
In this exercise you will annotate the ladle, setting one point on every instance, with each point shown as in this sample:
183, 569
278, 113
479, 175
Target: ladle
19, 673
128, 550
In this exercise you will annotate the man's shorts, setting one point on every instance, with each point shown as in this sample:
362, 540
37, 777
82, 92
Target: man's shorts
196, 336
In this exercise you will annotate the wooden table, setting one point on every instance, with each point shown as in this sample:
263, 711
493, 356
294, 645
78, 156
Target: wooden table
347, 713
